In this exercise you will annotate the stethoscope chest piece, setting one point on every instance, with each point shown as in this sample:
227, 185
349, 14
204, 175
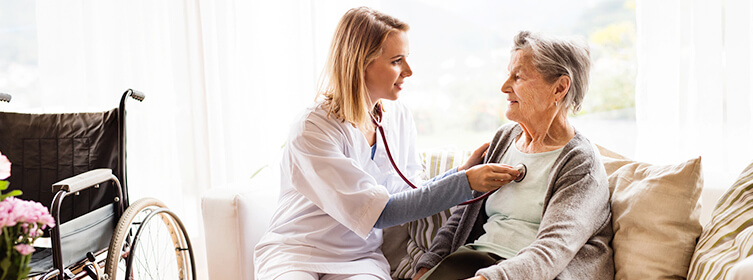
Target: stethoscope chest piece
522, 170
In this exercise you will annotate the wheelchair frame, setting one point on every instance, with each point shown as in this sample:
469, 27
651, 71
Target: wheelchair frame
122, 249
72, 186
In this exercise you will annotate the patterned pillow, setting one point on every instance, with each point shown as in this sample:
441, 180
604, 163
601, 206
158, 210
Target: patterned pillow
728, 237
422, 231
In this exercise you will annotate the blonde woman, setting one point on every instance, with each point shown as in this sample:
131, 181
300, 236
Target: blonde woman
339, 186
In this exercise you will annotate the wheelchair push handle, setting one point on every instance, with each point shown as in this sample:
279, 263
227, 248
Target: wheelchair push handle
132, 93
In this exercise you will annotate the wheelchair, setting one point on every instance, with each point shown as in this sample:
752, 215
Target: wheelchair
98, 233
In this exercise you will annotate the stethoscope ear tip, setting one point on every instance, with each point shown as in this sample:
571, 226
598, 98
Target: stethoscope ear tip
522, 170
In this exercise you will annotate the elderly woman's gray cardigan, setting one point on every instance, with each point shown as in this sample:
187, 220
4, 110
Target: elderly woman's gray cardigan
576, 224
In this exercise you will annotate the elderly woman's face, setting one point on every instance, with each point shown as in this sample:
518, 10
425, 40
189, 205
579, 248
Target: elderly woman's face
530, 97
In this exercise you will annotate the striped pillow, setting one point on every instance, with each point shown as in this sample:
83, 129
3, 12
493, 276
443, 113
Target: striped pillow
422, 231
728, 237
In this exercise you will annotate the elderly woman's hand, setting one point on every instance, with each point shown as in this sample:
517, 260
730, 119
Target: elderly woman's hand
476, 158
490, 176
420, 272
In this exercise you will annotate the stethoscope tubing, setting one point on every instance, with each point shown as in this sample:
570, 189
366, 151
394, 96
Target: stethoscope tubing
389, 154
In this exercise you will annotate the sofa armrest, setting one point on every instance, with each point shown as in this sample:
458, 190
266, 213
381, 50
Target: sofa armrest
235, 218
255, 210
221, 231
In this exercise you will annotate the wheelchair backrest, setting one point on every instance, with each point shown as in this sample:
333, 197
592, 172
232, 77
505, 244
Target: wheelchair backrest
46, 148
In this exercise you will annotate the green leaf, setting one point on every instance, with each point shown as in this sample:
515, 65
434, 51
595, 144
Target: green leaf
4, 185
5, 264
14, 193
258, 170
24, 271
11, 193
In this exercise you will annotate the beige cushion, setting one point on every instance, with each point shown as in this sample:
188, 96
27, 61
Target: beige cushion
727, 240
655, 212
395, 244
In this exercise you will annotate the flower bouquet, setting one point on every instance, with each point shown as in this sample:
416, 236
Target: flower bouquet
22, 222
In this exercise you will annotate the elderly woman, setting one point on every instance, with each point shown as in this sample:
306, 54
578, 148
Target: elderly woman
555, 222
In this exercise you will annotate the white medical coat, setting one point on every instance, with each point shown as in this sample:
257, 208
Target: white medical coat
332, 193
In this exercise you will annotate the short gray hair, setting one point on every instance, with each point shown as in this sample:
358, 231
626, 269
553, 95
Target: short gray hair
556, 57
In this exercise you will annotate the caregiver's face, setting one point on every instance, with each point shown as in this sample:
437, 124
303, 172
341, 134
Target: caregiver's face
384, 75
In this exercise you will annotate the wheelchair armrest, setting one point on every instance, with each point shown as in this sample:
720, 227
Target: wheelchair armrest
84, 180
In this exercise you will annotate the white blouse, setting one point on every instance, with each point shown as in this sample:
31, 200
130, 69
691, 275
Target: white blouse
332, 193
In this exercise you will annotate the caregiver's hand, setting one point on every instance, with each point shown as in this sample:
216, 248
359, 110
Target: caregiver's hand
476, 158
490, 176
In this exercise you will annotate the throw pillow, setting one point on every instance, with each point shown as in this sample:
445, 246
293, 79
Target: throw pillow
421, 232
655, 216
728, 237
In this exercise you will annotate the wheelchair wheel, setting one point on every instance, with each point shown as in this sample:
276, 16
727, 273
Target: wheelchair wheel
150, 242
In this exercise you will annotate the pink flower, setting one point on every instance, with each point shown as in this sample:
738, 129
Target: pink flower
14, 211
24, 249
7, 216
36, 233
4, 167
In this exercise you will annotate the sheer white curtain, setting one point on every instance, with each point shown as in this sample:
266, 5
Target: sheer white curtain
92, 51
223, 80
261, 64
693, 93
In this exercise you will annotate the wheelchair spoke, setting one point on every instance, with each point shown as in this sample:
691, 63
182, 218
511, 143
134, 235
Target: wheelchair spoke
158, 261
160, 252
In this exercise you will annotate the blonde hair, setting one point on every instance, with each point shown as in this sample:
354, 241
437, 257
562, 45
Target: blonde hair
357, 42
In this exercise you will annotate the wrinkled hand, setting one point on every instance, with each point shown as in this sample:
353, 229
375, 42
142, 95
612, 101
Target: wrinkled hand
476, 158
490, 176
420, 272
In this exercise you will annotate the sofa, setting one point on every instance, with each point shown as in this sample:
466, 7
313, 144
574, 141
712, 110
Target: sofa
656, 217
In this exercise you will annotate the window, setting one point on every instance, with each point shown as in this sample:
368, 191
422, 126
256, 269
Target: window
460, 52
18, 58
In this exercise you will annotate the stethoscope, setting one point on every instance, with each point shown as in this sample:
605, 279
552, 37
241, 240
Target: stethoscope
522, 169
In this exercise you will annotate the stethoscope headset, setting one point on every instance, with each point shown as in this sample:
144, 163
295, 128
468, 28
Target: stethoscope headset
522, 169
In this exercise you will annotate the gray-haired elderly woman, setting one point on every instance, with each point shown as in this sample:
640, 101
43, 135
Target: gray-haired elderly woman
556, 222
